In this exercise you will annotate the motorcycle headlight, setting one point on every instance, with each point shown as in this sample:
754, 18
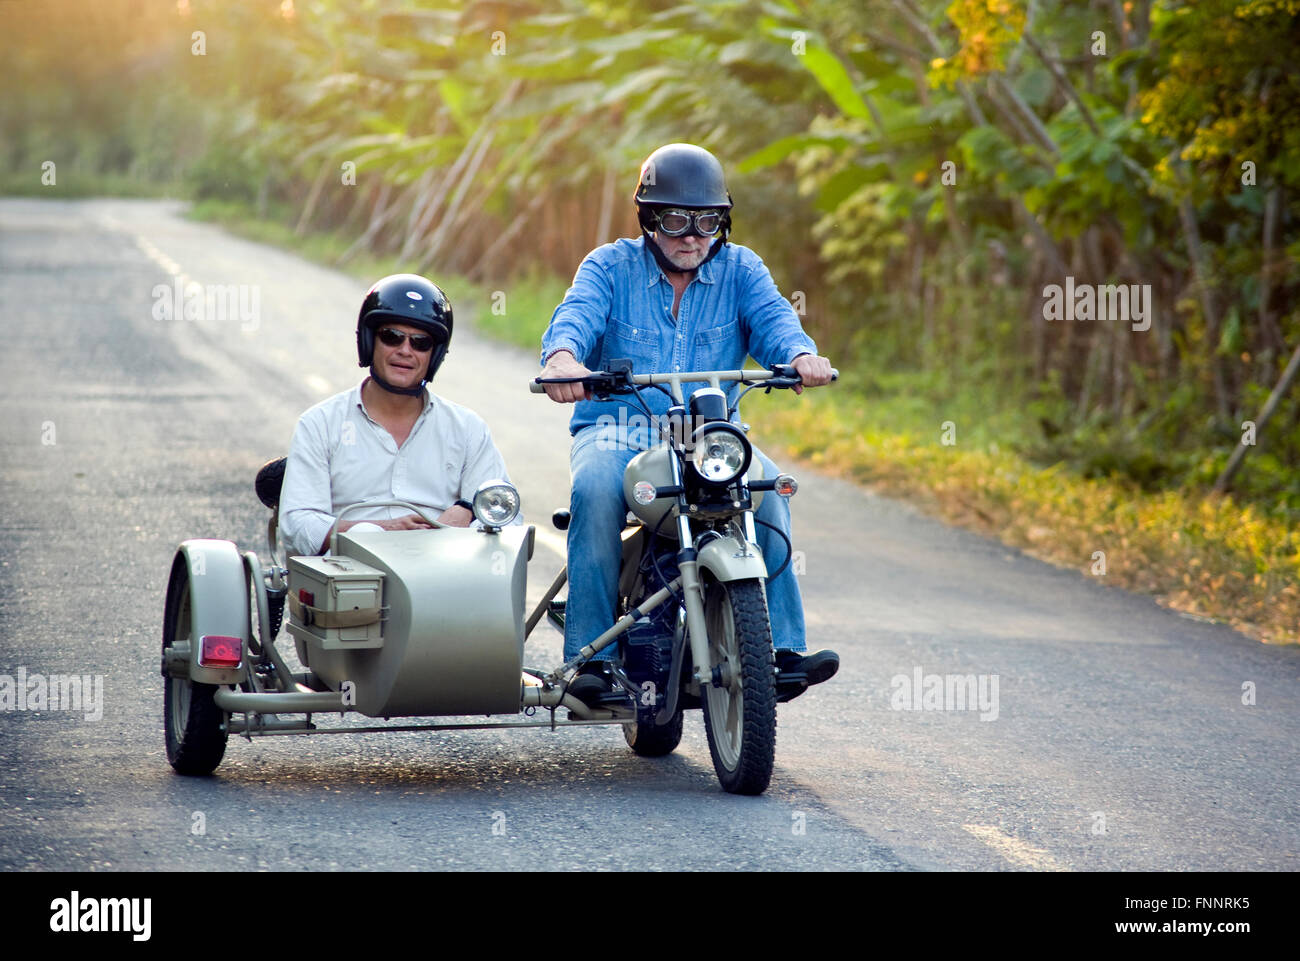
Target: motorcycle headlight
720, 452
496, 503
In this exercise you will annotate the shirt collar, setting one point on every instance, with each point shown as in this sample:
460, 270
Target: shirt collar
703, 273
357, 402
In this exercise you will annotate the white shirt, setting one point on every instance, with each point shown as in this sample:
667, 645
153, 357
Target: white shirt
341, 456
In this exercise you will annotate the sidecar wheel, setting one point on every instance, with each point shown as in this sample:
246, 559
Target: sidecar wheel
654, 740
740, 716
195, 727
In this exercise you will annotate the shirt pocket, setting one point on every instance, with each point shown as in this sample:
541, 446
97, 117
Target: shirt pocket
639, 344
717, 347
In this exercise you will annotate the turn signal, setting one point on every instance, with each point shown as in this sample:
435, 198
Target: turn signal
218, 650
785, 485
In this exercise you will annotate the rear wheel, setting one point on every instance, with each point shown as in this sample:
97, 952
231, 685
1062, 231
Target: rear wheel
654, 740
740, 711
195, 727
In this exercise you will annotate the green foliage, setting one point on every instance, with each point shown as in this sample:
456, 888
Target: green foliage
920, 170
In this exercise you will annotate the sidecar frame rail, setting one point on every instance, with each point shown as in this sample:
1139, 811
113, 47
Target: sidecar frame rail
250, 732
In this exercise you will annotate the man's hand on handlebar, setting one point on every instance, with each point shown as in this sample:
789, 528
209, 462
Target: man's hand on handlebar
815, 371
563, 364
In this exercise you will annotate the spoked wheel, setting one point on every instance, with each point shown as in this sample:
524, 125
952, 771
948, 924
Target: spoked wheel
740, 713
194, 725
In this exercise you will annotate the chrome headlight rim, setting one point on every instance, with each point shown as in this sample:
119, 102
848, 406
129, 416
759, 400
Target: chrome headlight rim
490, 498
697, 446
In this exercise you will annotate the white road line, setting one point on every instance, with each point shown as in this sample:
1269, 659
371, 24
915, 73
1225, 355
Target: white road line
1013, 849
319, 384
160, 258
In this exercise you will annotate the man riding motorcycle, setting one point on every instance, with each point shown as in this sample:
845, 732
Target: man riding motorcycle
680, 297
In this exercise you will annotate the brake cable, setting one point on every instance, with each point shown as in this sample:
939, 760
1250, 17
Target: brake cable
789, 548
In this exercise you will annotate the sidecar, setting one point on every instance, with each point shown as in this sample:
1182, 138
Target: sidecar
387, 624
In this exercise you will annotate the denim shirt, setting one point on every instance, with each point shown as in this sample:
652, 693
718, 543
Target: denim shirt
621, 306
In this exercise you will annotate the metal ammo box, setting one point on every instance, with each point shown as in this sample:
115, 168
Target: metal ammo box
334, 604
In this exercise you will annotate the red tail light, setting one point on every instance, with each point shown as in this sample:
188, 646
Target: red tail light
218, 650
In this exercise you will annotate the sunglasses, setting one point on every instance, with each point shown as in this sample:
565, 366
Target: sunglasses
395, 338
675, 223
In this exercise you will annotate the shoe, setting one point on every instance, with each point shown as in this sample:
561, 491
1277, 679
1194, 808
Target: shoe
797, 672
591, 684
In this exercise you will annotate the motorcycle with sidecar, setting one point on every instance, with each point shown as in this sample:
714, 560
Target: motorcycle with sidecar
432, 623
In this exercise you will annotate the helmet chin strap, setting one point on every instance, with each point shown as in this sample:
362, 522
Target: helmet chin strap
393, 388
667, 266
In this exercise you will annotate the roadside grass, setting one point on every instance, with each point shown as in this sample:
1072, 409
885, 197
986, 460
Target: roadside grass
1209, 558
71, 184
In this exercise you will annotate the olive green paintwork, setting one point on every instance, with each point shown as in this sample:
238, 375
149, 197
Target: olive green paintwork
454, 631
219, 601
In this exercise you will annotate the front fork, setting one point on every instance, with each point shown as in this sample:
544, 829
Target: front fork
693, 600
693, 583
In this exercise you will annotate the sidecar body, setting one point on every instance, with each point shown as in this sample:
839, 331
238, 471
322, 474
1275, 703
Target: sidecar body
445, 613
387, 624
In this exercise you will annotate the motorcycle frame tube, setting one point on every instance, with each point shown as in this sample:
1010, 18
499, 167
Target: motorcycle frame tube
243, 702
301, 731
263, 620
331, 702
620, 626
560, 580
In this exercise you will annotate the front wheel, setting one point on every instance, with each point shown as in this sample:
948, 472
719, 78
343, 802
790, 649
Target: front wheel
740, 708
195, 726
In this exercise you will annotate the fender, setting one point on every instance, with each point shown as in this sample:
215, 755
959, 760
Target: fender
218, 602
732, 559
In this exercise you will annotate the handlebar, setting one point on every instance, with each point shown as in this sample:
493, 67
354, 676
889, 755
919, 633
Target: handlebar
619, 381
334, 529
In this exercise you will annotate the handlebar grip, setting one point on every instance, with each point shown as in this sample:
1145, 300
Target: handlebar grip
835, 375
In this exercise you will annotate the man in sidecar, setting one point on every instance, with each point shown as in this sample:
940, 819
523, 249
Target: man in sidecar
388, 438
680, 297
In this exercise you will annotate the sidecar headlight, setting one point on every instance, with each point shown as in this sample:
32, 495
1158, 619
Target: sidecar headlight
496, 503
720, 452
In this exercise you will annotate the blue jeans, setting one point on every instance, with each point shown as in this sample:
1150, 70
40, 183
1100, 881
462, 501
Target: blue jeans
600, 454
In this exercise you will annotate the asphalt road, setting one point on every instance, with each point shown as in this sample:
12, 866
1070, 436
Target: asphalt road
1119, 738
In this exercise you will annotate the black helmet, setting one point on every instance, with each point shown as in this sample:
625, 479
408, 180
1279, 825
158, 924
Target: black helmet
405, 299
681, 175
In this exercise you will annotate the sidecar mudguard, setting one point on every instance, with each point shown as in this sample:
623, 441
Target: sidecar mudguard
453, 634
219, 602
732, 559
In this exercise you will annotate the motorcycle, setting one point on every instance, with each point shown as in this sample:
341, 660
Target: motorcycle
692, 621
431, 623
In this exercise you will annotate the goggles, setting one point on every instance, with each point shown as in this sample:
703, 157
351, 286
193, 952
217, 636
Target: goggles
676, 222
390, 337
